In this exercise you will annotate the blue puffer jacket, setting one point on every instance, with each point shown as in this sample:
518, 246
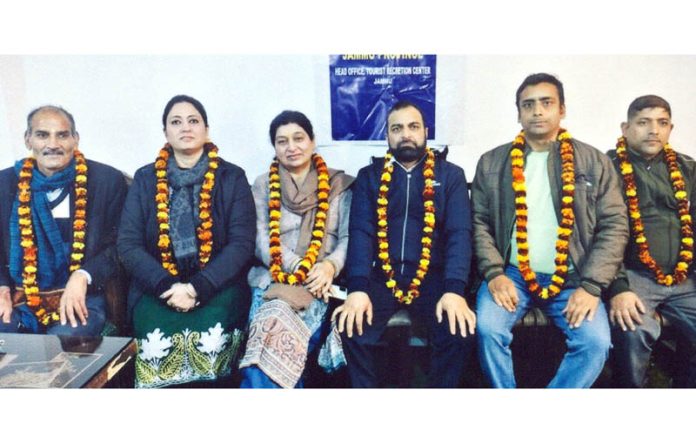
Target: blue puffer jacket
451, 251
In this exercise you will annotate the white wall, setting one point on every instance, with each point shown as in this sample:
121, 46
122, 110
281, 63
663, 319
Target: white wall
117, 101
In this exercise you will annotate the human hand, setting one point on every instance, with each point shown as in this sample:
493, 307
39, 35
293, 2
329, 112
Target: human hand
73, 304
458, 312
626, 308
352, 310
581, 304
319, 279
504, 292
181, 297
5, 304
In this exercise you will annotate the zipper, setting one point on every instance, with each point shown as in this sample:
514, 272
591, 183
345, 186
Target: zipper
506, 255
403, 236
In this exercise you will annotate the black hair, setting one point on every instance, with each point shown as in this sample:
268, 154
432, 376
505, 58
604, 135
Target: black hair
535, 79
183, 99
287, 117
648, 101
402, 104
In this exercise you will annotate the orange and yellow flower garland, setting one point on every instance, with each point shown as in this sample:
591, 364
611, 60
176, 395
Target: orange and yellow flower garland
428, 228
203, 231
686, 245
30, 264
565, 229
318, 230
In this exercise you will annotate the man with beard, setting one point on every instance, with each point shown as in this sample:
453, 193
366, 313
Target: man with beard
550, 229
660, 189
410, 246
61, 214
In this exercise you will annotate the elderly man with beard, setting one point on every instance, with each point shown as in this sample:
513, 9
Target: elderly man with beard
410, 246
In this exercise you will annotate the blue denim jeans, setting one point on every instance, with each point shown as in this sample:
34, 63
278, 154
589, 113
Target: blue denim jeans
588, 345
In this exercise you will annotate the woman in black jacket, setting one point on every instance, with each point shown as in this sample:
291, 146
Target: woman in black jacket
186, 237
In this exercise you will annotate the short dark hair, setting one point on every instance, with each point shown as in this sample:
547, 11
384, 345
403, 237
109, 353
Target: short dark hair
288, 117
403, 104
183, 99
648, 101
50, 108
535, 79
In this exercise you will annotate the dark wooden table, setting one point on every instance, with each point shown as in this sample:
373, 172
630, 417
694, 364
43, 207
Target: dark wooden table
50, 361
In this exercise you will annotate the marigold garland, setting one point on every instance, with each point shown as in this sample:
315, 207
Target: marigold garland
318, 230
565, 228
204, 230
30, 253
413, 291
686, 244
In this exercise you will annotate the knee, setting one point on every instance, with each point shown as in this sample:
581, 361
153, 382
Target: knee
489, 331
593, 341
492, 321
358, 340
9, 328
640, 338
444, 339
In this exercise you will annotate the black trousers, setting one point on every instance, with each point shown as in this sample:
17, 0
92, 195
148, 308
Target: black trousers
449, 353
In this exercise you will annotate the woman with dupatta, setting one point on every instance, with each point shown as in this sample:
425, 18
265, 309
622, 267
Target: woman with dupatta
302, 210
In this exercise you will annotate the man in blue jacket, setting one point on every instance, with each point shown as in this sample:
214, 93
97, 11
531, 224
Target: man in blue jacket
402, 253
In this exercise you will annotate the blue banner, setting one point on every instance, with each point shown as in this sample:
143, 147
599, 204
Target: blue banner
365, 86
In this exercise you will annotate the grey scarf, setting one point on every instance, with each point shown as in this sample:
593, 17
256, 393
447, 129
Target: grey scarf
185, 188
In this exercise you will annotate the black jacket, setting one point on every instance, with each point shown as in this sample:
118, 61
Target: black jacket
659, 213
234, 231
451, 250
106, 193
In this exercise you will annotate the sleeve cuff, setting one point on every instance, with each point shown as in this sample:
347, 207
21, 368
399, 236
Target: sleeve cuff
592, 287
164, 284
490, 275
335, 266
617, 287
204, 289
455, 285
359, 284
87, 274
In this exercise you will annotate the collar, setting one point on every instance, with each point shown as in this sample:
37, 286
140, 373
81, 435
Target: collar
635, 157
412, 167
555, 147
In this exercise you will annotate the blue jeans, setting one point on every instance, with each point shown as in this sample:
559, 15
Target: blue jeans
588, 345
96, 307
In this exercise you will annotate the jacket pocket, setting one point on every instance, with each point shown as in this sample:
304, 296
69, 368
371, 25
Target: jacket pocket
585, 209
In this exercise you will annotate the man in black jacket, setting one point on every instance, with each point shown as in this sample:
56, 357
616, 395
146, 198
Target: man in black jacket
402, 253
58, 247
660, 189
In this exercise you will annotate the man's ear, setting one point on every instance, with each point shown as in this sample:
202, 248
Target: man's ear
624, 128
